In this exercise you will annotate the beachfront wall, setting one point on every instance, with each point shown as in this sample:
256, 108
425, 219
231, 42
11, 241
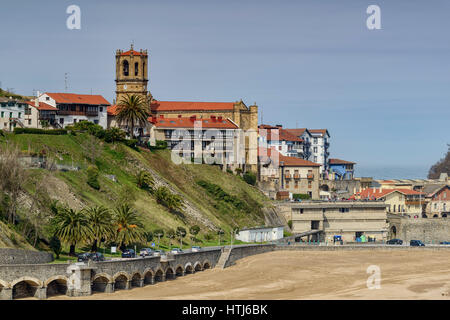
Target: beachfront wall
43, 280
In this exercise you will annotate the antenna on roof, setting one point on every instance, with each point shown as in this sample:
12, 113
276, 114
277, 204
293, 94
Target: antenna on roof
65, 81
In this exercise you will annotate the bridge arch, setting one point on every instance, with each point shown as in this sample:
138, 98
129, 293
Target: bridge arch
206, 264
148, 276
101, 281
198, 266
170, 273
136, 279
179, 270
188, 268
25, 287
56, 285
121, 280
159, 275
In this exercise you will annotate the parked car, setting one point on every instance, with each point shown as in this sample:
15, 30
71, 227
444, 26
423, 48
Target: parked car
445, 242
146, 252
158, 253
196, 248
176, 251
84, 257
416, 243
394, 241
128, 253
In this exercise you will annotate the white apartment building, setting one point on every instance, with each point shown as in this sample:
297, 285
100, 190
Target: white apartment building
320, 144
12, 113
73, 108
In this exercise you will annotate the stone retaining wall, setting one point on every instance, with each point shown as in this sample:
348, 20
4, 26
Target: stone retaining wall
20, 256
240, 252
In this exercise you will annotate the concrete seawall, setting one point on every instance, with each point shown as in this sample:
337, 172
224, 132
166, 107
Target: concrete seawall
19, 256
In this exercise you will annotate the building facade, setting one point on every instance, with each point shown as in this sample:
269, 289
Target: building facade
262, 234
284, 142
438, 202
350, 220
13, 113
341, 169
73, 108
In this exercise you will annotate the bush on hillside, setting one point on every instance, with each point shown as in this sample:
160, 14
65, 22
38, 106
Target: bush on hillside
114, 134
219, 194
250, 178
40, 131
92, 173
168, 199
160, 145
145, 180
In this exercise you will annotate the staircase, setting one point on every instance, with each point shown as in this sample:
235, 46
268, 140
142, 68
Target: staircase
223, 258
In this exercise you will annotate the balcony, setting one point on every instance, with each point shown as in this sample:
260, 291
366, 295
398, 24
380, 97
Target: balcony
296, 176
413, 202
287, 175
310, 176
78, 113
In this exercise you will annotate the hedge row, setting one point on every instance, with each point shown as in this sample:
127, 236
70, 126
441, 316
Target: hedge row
40, 131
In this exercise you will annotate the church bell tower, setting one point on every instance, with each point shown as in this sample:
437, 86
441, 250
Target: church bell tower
131, 73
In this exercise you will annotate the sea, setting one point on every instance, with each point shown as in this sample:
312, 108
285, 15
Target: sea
392, 172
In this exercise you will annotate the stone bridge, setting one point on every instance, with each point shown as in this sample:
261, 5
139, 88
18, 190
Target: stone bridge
44, 280
79, 279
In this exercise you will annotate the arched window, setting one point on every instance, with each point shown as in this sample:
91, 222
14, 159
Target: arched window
136, 68
125, 68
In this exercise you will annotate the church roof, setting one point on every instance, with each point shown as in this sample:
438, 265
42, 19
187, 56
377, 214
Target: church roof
134, 52
158, 106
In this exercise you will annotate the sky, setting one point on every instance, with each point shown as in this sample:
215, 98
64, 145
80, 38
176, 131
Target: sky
382, 94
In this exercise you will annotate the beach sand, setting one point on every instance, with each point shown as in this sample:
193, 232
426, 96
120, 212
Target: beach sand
308, 275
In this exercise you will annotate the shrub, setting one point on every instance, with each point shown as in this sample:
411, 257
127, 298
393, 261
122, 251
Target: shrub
132, 143
92, 173
145, 180
89, 127
250, 178
40, 131
238, 171
230, 171
300, 196
114, 134
171, 201
2, 134
160, 145
219, 194
290, 224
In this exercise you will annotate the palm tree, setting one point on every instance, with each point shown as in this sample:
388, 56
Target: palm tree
72, 227
132, 110
100, 219
181, 232
129, 227
170, 235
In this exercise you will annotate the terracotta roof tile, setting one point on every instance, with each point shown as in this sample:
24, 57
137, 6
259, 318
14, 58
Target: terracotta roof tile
74, 98
158, 106
339, 161
185, 122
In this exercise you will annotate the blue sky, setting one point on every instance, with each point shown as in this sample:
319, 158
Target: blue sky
383, 94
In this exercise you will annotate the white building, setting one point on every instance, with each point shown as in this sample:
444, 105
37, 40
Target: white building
73, 108
12, 113
320, 145
261, 234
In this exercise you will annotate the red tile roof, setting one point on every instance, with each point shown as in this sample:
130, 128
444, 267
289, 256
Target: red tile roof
339, 161
270, 133
135, 53
371, 193
42, 106
296, 132
158, 106
112, 110
74, 98
185, 122
296, 162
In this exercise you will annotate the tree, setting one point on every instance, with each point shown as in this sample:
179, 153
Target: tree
100, 220
148, 236
145, 180
114, 134
442, 166
159, 233
194, 230
92, 173
72, 227
55, 245
132, 110
220, 233
181, 233
250, 178
12, 176
170, 235
129, 228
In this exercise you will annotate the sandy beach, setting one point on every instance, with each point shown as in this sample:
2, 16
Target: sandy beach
308, 275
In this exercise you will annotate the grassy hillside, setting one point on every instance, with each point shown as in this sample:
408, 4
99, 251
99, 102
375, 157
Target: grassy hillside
238, 204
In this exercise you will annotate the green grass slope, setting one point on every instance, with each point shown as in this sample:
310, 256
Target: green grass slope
203, 208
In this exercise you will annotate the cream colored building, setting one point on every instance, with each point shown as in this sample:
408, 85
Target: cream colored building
347, 219
398, 201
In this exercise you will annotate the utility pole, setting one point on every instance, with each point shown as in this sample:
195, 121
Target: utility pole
65, 81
